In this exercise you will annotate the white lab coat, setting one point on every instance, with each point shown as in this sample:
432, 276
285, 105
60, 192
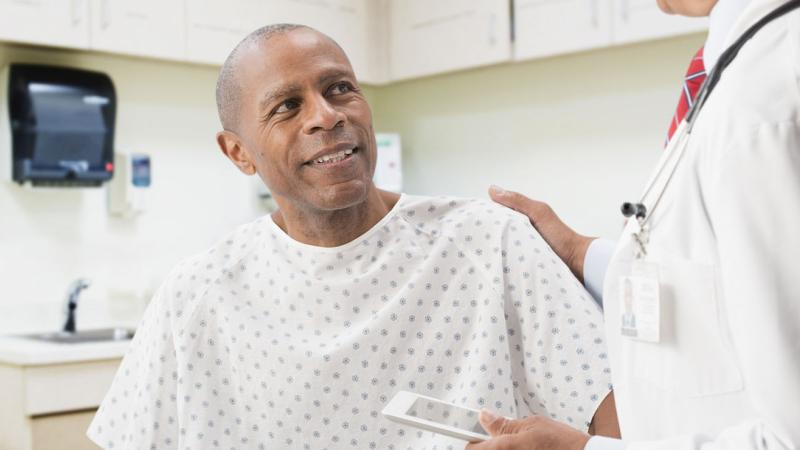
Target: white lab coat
726, 237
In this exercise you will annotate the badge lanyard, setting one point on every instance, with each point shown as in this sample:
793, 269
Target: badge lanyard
639, 291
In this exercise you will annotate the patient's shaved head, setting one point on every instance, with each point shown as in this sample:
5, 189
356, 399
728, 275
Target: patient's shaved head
229, 89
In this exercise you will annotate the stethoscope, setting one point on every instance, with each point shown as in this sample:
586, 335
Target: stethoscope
638, 210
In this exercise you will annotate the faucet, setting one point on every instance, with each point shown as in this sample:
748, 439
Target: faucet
72, 302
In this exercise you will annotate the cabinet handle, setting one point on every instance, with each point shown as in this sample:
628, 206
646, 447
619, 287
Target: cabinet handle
624, 10
593, 5
77, 12
492, 29
105, 14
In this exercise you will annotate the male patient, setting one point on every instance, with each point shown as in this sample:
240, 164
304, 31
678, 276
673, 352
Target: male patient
297, 329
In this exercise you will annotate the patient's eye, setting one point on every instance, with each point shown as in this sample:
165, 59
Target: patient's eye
286, 106
341, 88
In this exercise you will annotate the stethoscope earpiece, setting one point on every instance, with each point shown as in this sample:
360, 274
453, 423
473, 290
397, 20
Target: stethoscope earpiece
637, 210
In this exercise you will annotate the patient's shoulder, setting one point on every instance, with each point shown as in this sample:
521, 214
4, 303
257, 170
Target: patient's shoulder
457, 216
229, 251
188, 282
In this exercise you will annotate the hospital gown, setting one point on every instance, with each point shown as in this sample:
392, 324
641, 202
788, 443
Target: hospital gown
264, 342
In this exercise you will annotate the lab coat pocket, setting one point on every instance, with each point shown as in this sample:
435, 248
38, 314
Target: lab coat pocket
694, 356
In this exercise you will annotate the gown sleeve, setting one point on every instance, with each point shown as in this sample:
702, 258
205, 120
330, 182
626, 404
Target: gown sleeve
140, 410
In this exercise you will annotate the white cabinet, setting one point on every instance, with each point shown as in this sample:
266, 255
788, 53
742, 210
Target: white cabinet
139, 27
49, 407
377, 66
551, 27
214, 27
433, 37
62, 431
63, 23
639, 20
348, 22
386, 40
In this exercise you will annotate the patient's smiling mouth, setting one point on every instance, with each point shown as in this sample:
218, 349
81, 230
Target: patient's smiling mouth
333, 158
334, 155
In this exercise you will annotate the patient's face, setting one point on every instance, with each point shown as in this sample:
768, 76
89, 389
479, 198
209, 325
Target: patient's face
305, 124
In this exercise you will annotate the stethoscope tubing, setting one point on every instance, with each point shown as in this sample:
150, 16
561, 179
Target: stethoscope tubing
685, 131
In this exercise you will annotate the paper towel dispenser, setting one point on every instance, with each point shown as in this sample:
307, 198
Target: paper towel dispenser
61, 125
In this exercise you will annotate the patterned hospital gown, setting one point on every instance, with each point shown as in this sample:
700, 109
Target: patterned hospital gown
263, 342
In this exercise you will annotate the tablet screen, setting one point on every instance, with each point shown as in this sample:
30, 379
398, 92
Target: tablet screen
446, 414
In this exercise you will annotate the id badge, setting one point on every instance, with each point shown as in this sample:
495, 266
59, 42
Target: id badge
639, 302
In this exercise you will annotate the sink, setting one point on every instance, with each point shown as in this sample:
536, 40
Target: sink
100, 335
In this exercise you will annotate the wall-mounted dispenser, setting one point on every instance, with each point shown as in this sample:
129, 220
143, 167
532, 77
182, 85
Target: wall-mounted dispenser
128, 191
265, 199
58, 125
388, 167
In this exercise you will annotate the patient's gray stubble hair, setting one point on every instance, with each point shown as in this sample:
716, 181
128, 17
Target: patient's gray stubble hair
228, 86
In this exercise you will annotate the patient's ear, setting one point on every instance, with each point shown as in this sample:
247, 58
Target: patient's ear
233, 148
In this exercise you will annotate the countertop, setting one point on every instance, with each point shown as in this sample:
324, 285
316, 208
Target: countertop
20, 351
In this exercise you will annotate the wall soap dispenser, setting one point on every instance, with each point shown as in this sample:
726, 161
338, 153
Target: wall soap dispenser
128, 194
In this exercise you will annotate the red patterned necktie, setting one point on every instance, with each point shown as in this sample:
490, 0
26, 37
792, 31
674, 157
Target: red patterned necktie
691, 85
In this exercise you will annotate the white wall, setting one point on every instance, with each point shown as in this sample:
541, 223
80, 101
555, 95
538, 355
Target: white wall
557, 128
580, 131
48, 237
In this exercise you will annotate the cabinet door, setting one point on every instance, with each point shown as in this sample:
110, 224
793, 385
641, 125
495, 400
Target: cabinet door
139, 27
434, 37
550, 27
63, 23
214, 27
67, 387
638, 20
66, 431
346, 21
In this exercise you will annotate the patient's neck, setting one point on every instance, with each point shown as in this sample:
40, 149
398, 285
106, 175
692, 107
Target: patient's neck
333, 228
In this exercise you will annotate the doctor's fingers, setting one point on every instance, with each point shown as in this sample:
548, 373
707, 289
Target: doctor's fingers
568, 245
530, 440
531, 433
505, 442
504, 431
539, 213
497, 425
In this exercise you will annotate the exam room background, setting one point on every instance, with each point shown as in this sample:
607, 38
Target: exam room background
580, 131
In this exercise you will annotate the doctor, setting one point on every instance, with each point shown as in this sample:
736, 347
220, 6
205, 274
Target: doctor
709, 258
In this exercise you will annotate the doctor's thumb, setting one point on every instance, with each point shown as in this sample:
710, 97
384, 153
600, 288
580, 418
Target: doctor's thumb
497, 425
535, 210
496, 191
509, 199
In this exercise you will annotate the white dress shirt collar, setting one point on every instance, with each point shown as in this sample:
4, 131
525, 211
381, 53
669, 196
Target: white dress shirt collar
721, 21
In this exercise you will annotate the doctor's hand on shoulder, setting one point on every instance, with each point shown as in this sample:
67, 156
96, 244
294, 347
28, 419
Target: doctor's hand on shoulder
569, 246
530, 433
